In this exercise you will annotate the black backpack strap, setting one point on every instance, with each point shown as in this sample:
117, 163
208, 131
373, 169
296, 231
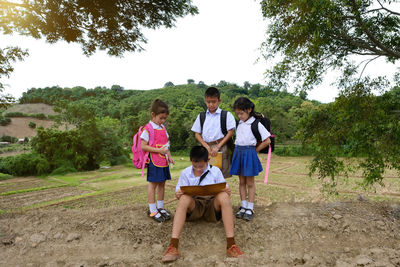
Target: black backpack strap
224, 115
254, 129
204, 175
202, 119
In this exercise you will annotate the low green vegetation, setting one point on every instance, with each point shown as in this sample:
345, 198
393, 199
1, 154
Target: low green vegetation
17, 114
123, 185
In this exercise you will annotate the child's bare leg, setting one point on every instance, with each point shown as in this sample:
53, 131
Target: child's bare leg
151, 192
251, 186
222, 203
186, 204
160, 190
242, 187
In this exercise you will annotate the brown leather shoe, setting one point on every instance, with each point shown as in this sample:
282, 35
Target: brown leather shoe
172, 254
235, 252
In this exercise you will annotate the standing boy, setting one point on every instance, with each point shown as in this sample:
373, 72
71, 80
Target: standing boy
211, 208
214, 128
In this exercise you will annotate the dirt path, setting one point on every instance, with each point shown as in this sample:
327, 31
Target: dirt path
283, 234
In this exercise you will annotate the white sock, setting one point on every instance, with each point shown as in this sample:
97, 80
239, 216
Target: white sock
160, 204
152, 207
244, 203
250, 206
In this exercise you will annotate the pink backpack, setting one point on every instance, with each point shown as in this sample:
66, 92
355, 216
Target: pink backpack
140, 157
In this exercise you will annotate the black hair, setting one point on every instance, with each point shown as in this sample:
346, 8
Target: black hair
198, 153
212, 92
243, 103
158, 106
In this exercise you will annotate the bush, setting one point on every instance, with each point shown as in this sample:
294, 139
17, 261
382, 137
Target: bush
32, 124
4, 176
24, 165
63, 170
4, 121
293, 150
15, 114
39, 116
119, 160
7, 138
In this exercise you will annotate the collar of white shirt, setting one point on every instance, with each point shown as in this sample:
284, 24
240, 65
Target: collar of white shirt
249, 121
155, 125
217, 111
192, 173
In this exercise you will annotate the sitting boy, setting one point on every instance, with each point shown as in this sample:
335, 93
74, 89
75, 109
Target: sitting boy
211, 208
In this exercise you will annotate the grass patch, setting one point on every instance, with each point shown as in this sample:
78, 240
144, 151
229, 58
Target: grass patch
31, 189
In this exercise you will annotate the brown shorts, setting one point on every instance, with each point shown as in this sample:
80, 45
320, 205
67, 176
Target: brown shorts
226, 163
204, 208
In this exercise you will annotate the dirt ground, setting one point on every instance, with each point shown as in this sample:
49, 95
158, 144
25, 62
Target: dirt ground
359, 233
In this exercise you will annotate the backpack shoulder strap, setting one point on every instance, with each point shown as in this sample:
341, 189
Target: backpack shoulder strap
254, 129
204, 175
202, 119
150, 130
224, 115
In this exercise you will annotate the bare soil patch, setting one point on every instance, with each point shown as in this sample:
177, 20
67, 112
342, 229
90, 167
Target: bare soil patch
34, 108
282, 234
19, 127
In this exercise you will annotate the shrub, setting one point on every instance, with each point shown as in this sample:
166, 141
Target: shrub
4, 176
63, 170
39, 116
32, 125
15, 114
25, 164
293, 150
7, 138
4, 121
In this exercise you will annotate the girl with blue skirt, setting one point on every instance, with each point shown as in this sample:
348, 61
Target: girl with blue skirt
245, 162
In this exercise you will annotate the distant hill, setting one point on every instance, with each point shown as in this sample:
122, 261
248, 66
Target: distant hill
35, 108
19, 127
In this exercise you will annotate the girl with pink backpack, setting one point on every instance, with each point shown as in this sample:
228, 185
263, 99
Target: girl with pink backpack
154, 142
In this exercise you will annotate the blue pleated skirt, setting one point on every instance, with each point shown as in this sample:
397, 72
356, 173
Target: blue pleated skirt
245, 161
157, 174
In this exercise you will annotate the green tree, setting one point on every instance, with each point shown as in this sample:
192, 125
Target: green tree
168, 84
246, 85
113, 25
8, 55
190, 81
313, 36
201, 84
358, 125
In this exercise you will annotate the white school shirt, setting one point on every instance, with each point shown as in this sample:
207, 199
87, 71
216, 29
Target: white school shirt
145, 134
187, 177
244, 135
212, 125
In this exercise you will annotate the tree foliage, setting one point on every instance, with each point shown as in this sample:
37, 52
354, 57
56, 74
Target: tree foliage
313, 36
113, 25
358, 126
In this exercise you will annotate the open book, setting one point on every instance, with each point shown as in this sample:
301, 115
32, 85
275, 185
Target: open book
203, 190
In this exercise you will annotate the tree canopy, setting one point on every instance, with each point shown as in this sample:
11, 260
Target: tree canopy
313, 36
113, 25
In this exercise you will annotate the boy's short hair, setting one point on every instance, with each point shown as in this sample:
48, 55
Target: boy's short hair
212, 92
198, 153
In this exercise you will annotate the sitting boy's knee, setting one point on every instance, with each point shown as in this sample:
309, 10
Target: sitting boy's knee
184, 200
223, 198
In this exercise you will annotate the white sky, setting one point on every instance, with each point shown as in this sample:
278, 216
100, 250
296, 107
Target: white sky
220, 43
